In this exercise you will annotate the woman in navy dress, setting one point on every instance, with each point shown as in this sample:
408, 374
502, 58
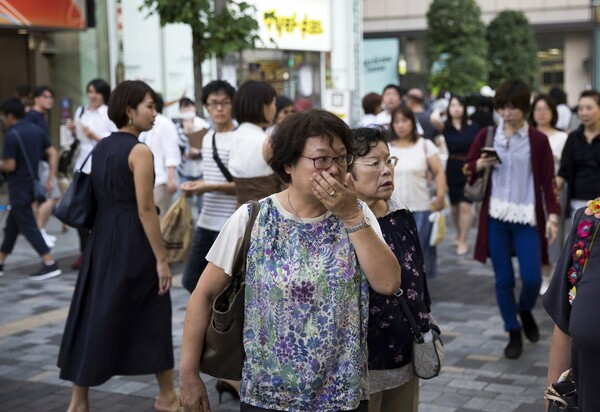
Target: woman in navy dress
119, 322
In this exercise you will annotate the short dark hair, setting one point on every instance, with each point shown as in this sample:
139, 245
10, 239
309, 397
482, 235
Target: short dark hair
363, 140
159, 102
13, 106
38, 91
186, 102
558, 95
392, 86
281, 102
101, 87
289, 138
370, 102
513, 93
250, 100
406, 112
592, 93
130, 93
551, 105
217, 86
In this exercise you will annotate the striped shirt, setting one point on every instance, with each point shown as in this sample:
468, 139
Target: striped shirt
217, 207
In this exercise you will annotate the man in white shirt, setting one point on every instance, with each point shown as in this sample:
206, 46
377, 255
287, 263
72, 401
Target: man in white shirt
217, 186
162, 140
392, 98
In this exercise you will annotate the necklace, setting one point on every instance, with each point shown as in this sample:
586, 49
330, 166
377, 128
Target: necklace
292, 207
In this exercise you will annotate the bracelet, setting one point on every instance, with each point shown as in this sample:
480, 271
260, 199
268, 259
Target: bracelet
365, 222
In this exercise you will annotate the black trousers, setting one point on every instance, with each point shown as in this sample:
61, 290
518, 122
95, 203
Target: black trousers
21, 220
244, 407
84, 234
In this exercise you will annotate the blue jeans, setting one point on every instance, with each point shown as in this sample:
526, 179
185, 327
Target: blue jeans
503, 237
424, 227
201, 243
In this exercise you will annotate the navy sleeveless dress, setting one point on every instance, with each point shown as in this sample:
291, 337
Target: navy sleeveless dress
117, 323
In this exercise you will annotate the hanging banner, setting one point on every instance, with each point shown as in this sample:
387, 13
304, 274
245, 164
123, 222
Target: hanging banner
43, 14
294, 25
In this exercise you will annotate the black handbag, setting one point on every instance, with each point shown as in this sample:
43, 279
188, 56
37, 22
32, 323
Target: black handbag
223, 350
562, 396
475, 191
78, 206
39, 191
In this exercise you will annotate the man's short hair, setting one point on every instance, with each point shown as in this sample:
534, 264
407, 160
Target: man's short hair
217, 86
40, 90
13, 106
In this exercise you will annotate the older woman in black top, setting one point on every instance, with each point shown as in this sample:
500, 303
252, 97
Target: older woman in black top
393, 384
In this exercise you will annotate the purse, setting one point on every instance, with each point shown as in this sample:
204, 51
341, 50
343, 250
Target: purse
475, 191
39, 191
562, 395
78, 206
223, 351
427, 348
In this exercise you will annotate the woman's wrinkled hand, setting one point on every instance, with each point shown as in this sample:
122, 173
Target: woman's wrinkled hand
193, 396
165, 278
338, 198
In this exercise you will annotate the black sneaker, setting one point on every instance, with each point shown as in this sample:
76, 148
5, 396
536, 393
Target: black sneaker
46, 272
1, 270
529, 326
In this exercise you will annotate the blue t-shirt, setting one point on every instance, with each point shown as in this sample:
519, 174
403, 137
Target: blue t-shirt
38, 119
35, 142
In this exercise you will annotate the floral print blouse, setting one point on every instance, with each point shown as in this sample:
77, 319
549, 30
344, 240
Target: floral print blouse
306, 315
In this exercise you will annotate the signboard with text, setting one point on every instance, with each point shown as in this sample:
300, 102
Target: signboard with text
43, 14
294, 25
380, 64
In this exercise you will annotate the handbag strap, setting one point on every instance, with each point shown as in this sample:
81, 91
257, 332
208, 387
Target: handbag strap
240, 259
33, 175
414, 325
217, 159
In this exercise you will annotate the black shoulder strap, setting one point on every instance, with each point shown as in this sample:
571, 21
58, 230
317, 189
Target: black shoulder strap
414, 325
33, 175
240, 260
218, 160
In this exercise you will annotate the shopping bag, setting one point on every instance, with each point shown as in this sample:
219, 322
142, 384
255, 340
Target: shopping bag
438, 230
176, 228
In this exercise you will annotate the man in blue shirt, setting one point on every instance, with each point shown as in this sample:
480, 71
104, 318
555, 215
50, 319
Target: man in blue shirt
24, 142
43, 101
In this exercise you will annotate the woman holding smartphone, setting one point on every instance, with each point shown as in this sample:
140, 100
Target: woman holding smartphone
513, 214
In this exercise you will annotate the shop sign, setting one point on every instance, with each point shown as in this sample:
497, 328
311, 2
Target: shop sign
43, 14
380, 63
294, 25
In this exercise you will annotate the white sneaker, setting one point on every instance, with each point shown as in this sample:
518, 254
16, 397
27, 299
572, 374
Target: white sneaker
50, 240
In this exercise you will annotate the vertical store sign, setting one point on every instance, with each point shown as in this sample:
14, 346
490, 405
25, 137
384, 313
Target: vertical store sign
380, 63
294, 25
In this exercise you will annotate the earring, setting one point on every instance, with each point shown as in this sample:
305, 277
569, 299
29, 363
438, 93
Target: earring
131, 122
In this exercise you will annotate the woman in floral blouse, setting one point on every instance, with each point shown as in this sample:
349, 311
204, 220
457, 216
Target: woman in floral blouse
393, 385
315, 250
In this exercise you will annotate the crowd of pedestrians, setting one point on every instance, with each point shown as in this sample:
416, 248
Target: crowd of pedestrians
344, 228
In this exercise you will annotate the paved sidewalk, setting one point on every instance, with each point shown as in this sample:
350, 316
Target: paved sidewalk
476, 376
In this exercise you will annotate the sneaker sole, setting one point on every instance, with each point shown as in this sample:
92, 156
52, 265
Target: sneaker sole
45, 276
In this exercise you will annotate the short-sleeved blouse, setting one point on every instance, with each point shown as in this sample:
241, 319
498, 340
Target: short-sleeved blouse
306, 311
579, 320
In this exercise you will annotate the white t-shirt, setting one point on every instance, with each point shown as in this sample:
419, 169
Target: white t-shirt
564, 117
162, 139
98, 122
222, 254
368, 120
246, 156
410, 174
217, 207
383, 119
557, 144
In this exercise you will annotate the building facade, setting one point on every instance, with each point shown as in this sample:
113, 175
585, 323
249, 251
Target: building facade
394, 33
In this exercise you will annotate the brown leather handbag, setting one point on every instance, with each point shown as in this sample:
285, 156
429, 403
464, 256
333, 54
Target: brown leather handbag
475, 191
223, 351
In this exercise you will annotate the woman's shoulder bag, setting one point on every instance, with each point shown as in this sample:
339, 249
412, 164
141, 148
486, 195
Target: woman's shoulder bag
475, 191
223, 351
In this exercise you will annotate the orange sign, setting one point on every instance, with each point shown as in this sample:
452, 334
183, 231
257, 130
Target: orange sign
43, 14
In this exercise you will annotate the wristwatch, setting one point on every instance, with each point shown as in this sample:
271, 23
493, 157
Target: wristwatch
365, 222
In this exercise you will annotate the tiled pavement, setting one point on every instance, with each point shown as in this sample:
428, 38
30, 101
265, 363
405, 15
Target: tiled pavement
476, 376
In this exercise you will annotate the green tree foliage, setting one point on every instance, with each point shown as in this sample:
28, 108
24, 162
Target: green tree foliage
456, 46
512, 49
227, 27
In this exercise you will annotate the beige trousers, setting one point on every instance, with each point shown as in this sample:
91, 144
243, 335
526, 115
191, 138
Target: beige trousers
404, 398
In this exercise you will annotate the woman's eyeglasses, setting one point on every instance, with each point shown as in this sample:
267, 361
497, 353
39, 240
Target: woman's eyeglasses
391, 162
325, 162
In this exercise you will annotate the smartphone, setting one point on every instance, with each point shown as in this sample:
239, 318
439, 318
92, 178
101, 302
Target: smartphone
491, 152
